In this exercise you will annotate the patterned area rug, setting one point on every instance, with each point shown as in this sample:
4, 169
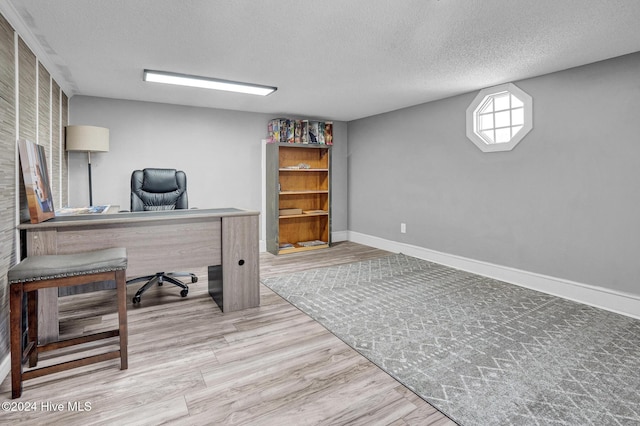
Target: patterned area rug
481, 351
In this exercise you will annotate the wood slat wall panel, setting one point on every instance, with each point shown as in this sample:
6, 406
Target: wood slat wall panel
7, 174
44, 126
27, 101
27, 109
55, 141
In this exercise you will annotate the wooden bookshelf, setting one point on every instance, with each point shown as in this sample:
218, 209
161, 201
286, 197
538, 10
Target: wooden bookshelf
298, 178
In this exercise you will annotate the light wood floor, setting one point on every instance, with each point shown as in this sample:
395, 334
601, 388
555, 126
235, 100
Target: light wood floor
191, 364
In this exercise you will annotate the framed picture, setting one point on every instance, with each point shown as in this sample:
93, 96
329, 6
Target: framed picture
36, 181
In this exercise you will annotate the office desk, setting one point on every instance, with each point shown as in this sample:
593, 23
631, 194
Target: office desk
175, 240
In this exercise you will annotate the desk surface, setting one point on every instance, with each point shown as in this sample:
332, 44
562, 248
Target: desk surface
133, 217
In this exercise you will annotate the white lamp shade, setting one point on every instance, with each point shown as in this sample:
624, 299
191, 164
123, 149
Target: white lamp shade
87, 139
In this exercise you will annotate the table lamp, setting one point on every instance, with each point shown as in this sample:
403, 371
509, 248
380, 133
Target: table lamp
87, 139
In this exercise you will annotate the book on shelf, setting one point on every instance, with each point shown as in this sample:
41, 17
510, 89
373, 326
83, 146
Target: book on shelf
298, 131
274, 130
311, 243
298, 166
313, 132
321, 132
291, 125
304, 137
328, 132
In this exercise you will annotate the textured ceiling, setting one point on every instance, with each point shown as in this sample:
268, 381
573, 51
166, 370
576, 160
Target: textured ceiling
331, 59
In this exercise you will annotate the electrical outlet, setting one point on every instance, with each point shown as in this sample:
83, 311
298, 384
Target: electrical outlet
403, 228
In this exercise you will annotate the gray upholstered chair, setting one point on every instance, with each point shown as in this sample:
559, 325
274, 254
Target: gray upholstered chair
155, 190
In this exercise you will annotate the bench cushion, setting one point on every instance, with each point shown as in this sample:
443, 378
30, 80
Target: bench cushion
35, 268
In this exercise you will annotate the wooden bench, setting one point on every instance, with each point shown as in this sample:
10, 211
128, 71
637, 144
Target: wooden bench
39, 272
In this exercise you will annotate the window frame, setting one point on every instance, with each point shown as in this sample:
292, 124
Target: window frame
477, 109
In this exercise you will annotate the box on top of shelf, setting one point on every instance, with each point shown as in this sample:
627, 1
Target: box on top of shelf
284, 130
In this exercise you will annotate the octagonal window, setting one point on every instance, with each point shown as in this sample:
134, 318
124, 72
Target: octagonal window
499, 117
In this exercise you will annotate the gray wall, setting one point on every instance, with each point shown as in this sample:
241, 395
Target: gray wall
219, 150
563, 203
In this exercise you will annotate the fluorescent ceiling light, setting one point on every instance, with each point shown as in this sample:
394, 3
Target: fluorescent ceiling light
206, 83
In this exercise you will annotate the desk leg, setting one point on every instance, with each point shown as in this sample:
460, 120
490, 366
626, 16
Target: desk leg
123, 330
48, 322
240, 263
214, 275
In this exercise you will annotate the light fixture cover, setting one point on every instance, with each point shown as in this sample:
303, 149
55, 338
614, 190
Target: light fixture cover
207, 83
87, 139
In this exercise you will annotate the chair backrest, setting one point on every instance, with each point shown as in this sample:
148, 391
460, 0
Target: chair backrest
158, 189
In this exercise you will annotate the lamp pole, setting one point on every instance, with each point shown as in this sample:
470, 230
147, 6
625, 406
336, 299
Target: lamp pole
90, 184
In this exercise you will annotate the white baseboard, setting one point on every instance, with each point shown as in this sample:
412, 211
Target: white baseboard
339, 236
616, 301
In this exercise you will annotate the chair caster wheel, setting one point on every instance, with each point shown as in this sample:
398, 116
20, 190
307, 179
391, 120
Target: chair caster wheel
194, 279
136, 299
184, 293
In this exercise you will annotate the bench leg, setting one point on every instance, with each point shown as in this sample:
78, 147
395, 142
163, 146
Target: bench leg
32, 324
15, 325
121, 286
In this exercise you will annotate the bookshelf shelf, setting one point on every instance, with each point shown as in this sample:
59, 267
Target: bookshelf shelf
304, 192
292, 216
298, 186
303, 170
297, 248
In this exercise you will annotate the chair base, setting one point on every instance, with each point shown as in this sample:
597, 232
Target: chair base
159, 278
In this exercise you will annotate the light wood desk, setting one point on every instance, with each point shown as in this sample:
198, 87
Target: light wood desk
175, 240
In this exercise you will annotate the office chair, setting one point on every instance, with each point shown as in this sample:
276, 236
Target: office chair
154, 190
